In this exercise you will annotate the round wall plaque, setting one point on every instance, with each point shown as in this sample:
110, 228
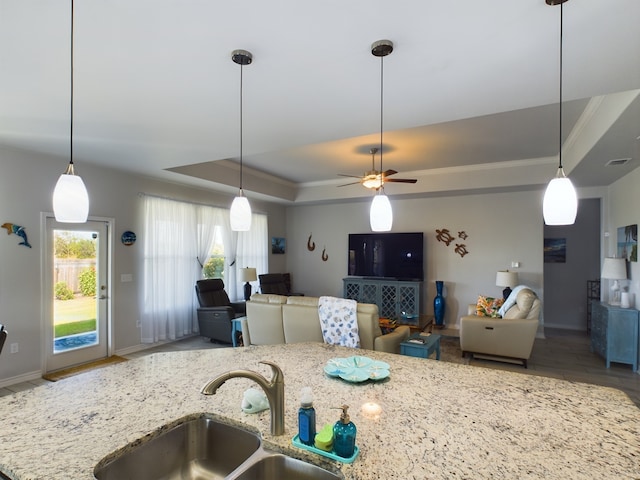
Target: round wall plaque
128, 238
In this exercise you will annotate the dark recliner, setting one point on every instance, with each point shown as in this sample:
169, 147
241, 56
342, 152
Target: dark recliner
3, 336
216, 310
276, 283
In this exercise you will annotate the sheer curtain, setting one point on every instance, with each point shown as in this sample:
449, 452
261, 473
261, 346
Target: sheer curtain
253, 249
176, 235
169, 269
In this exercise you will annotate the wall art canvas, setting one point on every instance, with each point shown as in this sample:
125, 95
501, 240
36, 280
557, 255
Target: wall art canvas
628, 243
555, 250
278, 245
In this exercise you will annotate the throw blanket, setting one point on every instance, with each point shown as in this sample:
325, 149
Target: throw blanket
339, 321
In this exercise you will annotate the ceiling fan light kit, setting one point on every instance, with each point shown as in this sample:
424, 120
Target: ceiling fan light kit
560, 204
240, 212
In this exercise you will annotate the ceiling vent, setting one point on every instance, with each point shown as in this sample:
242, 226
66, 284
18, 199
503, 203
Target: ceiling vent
617, 162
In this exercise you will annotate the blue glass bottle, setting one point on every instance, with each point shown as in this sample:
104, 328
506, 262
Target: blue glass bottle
439, 305
344, 435
306, 417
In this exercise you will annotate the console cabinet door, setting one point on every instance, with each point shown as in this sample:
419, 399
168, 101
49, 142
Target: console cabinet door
615, 333
394, 298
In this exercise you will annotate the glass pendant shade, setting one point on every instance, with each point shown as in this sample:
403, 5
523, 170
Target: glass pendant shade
560, 204
240, 214
70, 198
381, 214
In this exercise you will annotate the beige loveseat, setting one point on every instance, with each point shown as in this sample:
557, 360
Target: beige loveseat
274, 319
511, 336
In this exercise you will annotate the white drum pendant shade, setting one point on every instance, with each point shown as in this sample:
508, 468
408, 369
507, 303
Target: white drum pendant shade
381, 214
70, 199
240, 214
560, 204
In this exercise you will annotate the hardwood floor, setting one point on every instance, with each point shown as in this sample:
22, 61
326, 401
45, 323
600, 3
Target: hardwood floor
562, 354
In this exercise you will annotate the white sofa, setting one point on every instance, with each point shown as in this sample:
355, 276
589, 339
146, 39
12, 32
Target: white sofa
511, 336
274, 319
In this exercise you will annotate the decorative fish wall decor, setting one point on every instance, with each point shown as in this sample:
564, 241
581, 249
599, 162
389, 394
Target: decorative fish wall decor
19, 231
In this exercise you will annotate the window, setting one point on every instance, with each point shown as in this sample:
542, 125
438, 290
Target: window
214, 265
177, 235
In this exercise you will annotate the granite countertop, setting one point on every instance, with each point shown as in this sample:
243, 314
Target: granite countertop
439, 420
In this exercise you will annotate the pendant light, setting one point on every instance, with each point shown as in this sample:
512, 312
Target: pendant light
380, 213
560, 204
70, 197
240, 213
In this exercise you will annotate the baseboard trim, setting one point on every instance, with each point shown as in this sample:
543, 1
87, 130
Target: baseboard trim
25, 377
146, 346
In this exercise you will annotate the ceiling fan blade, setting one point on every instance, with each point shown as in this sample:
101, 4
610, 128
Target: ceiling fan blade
400, 180
350, 176
346, 184
388, 173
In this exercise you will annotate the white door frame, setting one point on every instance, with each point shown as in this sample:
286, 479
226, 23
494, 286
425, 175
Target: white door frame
46, 310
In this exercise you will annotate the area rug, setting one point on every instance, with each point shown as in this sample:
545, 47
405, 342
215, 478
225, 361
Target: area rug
450, 351
70, 372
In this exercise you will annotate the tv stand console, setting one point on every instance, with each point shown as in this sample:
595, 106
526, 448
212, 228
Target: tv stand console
399, 300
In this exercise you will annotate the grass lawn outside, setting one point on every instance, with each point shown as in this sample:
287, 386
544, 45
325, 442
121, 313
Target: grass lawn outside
74, 316
73, 328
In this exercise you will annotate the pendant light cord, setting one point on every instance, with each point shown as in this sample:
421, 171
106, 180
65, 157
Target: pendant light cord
241, 67
560, 129
381, 110
71, 96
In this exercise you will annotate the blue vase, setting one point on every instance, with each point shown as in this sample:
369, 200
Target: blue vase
439, 305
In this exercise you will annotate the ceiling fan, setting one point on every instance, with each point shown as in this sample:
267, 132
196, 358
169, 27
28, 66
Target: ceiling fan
374, 179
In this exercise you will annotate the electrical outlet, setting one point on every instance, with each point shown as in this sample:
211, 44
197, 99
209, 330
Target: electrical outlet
14, 348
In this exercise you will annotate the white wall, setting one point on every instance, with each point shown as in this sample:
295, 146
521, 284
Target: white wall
624, 203
26, 186
501, 228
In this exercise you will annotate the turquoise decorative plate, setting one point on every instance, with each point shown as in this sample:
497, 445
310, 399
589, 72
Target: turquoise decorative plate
357, 369
355, 375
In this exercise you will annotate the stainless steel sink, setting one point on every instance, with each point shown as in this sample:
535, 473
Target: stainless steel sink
205, 448
197, 448
282, 467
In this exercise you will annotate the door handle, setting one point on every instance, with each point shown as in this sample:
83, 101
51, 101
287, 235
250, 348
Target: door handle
103, 297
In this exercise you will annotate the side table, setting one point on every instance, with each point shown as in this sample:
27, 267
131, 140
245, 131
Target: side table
236, 330
421, 346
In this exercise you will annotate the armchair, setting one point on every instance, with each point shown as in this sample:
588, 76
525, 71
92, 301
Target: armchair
3, 336
276, 284
216, 311
511, 336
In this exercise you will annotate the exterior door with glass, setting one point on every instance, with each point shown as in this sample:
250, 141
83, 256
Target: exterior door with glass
76, 292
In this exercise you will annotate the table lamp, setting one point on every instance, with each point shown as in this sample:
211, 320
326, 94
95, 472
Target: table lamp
505, 278
614, 269
247, 275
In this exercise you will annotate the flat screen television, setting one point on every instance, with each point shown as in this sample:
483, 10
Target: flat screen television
386, 255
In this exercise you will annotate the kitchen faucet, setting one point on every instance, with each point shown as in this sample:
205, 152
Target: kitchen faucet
274, 390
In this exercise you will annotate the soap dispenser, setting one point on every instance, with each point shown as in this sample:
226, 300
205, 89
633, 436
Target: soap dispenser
344, 435
306, 417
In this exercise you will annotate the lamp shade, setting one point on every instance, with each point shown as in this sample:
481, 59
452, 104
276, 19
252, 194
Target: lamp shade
248, 274
380, 214
505, 278
614, 269
240, 214
560, 204
70, 199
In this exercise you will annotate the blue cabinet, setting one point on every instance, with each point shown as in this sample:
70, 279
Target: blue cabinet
615, 333
396, 299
